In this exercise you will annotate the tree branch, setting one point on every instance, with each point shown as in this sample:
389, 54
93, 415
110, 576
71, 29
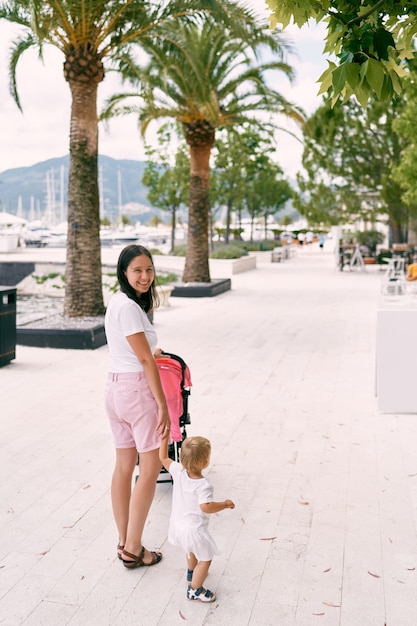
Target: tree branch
339, 17
367, 13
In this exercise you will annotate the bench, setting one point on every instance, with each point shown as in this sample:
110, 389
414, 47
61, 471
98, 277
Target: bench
278, 255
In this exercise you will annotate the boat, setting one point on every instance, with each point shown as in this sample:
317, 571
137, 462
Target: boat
118, 236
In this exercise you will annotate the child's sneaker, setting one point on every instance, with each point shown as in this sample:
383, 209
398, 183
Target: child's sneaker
201, 594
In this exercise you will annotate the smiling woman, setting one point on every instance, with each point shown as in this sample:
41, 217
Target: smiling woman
135, 402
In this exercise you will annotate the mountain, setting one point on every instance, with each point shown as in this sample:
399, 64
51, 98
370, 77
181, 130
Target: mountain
40, 191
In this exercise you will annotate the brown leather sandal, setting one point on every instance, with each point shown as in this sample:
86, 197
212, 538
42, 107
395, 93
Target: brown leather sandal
138, 559
119, 551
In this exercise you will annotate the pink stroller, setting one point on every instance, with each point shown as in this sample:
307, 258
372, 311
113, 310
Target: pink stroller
176, 383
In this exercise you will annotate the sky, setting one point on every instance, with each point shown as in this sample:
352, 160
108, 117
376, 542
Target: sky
42, 131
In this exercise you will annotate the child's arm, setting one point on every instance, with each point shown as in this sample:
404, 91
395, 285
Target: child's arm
216, 507
163, 451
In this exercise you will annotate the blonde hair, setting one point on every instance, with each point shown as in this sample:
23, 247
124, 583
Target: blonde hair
195, 453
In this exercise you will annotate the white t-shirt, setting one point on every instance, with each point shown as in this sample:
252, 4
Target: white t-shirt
123, 318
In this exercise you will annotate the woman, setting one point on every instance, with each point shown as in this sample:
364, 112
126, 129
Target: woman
135, 402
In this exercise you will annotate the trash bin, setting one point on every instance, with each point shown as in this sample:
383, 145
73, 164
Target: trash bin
7, 324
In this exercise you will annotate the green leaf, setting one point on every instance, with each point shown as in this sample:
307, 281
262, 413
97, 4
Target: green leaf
362, 93
339, 79
326, 79
386, 91
352, 75
348, 93
396, 83
375, 75
346, 56
400, 70
383, 40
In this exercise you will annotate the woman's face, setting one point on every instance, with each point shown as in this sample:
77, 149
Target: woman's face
140, 274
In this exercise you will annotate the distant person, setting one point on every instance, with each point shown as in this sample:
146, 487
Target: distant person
135, 402
301, 237
411, 275
192, 502
309, 237
322, 239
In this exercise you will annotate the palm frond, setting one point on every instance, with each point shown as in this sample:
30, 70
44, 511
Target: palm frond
18, 48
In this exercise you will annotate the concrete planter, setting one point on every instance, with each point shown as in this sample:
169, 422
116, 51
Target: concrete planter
218, 267
228, 267
202, 290
8, 242
164, 292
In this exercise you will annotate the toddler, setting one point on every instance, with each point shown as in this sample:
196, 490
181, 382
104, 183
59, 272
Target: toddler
192, 502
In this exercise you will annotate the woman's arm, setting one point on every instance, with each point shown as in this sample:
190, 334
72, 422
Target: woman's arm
140, 346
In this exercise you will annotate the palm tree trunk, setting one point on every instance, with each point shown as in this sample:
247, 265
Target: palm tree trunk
83, 290
197, 263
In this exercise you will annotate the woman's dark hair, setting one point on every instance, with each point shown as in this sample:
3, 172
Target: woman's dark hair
147, 301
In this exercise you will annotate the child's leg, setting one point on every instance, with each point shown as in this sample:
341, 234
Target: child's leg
200, 574
191, 563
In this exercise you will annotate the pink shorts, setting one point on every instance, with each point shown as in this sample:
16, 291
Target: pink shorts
132, 411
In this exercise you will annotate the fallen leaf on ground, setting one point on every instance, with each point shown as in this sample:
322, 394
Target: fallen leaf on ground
374, 575
335, 606
327, 570
43, 552
318, 613
304, 502
181, 615
411, 569
267, 538
87, 487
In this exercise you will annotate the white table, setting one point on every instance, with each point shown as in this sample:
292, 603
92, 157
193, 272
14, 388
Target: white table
396, 355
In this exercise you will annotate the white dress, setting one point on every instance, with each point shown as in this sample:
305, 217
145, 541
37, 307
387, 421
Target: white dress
188, 525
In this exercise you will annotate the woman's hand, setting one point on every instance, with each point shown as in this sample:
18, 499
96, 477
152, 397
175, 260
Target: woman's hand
158, 353
164, 423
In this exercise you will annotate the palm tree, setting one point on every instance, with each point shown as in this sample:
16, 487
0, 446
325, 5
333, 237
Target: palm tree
88, 33
206, 77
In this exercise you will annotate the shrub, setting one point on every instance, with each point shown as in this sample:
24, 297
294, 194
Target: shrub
230, 251
165, 279
260, 246
180, 250
40, 280
383, 257
370, 239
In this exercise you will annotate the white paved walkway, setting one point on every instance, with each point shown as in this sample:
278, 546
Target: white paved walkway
283, 368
